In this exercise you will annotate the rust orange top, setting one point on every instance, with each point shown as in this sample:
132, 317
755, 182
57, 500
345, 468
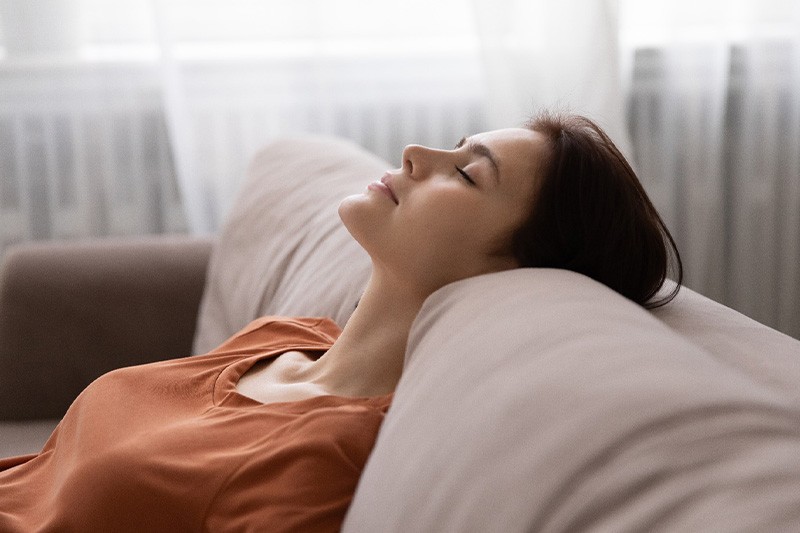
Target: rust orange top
172, 446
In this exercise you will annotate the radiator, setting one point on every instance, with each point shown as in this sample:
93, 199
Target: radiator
717, 145
84, 148
80, 156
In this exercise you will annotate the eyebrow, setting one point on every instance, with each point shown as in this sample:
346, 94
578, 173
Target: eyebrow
481, 150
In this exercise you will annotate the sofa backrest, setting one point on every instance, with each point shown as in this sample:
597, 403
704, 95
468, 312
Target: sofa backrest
533, 399
540, 400
759, 351
283, 249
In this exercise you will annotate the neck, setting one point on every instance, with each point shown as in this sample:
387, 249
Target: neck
367, 358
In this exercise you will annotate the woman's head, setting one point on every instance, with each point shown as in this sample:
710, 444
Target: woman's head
446, 215
556, 193
590, 214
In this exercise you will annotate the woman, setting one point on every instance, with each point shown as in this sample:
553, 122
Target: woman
270, 431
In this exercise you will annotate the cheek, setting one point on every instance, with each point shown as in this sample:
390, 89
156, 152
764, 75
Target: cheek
438, 216
450, 230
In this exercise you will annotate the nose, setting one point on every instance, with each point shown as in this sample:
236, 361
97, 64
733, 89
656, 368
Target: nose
420, 161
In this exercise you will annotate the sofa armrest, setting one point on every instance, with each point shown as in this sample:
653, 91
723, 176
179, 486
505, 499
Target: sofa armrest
71, 311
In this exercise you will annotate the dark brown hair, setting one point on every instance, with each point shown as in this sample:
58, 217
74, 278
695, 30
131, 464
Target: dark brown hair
591, 215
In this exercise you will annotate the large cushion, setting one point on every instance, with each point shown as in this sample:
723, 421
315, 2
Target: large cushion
531, 400
539, 400
740, 342
283, 249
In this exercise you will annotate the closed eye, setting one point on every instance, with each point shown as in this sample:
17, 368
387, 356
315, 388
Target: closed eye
466, 176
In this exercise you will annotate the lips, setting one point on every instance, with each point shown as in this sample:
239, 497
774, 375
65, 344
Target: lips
386, 179
385, 186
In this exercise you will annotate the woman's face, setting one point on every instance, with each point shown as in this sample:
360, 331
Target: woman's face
447, 215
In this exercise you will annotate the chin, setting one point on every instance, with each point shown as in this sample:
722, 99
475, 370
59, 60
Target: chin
355, 217
348, 209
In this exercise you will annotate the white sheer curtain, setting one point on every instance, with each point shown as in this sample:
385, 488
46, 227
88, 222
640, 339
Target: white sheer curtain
705, 97
84, 148
558, 55
106, 108
714, 115
134, 116
381, 73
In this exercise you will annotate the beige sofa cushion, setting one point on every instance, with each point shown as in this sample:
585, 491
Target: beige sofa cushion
534, 400
759, 351
539, 400
283, 249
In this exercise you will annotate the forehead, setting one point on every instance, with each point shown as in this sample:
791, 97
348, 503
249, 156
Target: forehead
517, 150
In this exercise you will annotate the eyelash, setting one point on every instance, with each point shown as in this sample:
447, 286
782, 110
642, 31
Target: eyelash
465, 176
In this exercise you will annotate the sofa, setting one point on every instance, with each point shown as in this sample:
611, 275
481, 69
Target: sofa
531, 400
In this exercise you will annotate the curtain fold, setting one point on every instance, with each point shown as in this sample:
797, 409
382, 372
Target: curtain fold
713, 115
677, 121
764, 194
139, 117
198, 205
557, 55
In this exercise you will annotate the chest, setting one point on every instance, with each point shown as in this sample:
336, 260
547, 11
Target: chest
280, 379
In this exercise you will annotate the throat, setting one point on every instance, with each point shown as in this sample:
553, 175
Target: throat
367, 358
365, 361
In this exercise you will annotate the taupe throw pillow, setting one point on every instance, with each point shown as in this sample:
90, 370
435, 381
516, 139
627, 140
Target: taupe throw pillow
283, 249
